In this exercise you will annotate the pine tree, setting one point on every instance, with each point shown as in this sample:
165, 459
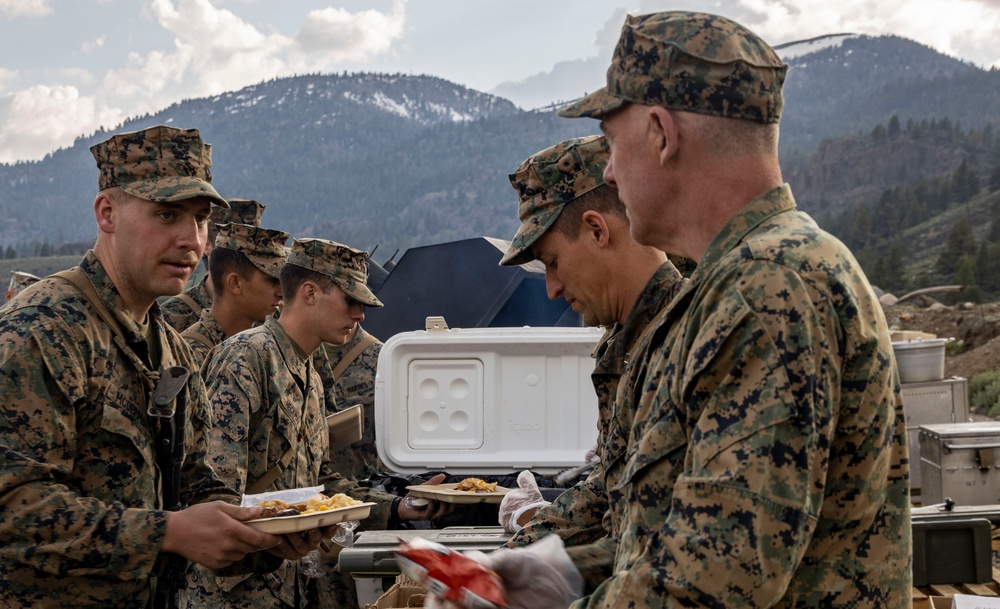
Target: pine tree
965, 275
895, 265
893, 127
960, 243
994, 183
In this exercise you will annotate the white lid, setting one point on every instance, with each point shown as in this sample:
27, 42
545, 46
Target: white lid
486, 400
920, 343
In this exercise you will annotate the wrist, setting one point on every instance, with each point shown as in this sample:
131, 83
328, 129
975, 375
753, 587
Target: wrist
394, 519
523, 514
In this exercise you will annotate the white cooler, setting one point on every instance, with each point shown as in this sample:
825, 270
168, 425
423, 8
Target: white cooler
486, 400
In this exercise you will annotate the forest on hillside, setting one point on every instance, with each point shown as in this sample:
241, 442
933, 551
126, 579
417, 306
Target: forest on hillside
938, 230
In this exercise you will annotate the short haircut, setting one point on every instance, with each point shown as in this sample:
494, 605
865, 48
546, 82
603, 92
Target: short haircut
116, 194
293, 276
733, 136
224, 261
602, 199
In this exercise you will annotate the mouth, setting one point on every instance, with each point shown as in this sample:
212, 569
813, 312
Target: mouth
181, 266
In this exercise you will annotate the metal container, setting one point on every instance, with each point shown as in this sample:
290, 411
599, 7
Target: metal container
920, 360
932, 403
959, 461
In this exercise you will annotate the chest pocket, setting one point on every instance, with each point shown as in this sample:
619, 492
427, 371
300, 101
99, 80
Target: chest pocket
113, 445
665, 438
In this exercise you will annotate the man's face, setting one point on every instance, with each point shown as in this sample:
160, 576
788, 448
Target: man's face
630, 169
574, 270
260, 296
337, 315
157, 246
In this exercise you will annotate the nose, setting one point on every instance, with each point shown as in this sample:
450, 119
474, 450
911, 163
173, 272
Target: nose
553, 287
193, 234
357, 312
609, 174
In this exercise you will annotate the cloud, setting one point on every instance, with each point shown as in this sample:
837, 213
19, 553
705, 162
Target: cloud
13, 9
42, 118
90, 46
213, 51
335, 35
961, 28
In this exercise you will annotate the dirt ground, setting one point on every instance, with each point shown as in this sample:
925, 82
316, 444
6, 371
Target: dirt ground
975, 328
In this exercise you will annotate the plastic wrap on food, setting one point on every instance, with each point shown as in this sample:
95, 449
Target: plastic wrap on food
450, 575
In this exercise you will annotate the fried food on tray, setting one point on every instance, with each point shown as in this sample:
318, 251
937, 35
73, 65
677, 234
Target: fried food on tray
275, 508
476, 485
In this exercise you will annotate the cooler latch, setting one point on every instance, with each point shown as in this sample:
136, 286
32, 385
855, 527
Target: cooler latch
435, 324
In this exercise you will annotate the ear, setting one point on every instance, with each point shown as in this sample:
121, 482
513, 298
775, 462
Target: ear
233, 282
594, 226
663, 131
308, 292
104, 211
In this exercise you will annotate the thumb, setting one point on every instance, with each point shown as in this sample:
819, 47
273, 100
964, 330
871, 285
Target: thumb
526, 480
437, 479
239, 513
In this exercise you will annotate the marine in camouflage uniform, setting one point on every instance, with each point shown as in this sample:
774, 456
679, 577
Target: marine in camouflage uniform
185, 309
767, 461
267, 406
548, 183
355, 384
18, 281
252, 254
81, 514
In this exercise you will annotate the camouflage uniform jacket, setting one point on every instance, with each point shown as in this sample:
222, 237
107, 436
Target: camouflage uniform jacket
577, 515
356, 385
266, 397
178, 312
80, 512
208, 328
767, 464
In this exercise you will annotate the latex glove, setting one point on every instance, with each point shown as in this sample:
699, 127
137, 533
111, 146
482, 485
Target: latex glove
537, 576
518, 501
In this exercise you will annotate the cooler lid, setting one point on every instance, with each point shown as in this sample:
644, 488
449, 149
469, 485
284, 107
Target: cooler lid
486, 400
968, 430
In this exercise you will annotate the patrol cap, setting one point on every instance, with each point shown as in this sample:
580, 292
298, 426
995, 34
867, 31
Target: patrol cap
546, 181
20, 280
264, 247
241, 211
347, 266
693, 62
161, 164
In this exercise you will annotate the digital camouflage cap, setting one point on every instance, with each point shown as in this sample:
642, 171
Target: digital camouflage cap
264, 247
241, 211
347, 266
693, 62
546, 181
161, 164
20, 280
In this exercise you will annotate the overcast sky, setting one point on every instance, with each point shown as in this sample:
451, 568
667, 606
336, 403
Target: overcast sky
68, 67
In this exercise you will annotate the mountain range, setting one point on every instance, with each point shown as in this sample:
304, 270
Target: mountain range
397, 161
